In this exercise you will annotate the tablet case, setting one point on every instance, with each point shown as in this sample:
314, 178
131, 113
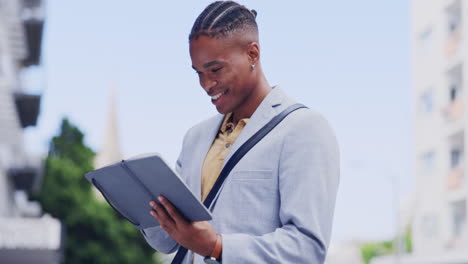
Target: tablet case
129, 186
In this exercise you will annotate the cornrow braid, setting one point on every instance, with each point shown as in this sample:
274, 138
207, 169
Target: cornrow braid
221, 18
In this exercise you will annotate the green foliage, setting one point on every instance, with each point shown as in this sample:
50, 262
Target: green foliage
94, 233
375, 249
408, 240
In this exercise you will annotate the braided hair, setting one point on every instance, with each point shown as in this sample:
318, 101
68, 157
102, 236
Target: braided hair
222, 18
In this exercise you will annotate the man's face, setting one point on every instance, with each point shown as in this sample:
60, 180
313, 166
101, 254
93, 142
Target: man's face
224, 71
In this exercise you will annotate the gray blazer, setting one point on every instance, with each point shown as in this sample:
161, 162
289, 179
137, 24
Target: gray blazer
277, 204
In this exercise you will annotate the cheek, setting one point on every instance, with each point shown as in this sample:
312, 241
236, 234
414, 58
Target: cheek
243, 79
240, 76
237, 76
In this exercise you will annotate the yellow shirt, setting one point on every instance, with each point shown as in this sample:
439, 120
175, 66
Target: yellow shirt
219, 149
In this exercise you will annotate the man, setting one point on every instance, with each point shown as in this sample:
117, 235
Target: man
276, 205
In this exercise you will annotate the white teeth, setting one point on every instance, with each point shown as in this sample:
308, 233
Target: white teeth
215, 97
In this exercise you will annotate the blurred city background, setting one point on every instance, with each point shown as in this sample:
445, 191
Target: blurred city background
86, 83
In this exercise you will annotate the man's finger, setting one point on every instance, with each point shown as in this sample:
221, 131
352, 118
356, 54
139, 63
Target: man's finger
171, 210
162, 216
163, 224
158, 208
154, 214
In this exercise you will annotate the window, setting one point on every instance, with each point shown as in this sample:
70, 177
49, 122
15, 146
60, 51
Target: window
455, 177
454, 32
425, 38
455, 82
455, 157
454, 16
455, 108
458, 217
426, 102
453, 92
456, 149
428, 163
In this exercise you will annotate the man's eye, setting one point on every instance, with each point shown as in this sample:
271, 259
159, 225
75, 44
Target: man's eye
216, 69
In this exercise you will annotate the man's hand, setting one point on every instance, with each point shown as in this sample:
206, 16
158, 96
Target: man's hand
196, 236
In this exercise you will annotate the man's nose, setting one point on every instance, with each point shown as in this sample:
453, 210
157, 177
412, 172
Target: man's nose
208, 84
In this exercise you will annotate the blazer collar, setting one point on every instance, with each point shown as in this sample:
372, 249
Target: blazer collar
272, 104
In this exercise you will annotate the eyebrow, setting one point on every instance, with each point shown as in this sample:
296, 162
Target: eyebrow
209, 64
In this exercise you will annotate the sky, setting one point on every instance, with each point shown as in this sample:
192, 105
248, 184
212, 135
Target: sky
348, 60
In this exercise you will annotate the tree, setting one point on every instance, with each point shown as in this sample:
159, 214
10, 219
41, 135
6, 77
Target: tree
372, 250
408, 240
94, 232
375, 249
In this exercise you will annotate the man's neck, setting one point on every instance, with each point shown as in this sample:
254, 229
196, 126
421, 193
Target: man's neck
252, 103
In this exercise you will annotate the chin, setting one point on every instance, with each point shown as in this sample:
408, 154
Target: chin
223, 110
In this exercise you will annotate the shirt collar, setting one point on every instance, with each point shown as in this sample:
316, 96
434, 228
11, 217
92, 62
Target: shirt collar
228, 124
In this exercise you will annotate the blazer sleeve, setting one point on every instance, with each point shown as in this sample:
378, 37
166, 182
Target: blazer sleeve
156, 237
308, 182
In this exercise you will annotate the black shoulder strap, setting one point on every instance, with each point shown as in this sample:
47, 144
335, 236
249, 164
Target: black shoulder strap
250, 143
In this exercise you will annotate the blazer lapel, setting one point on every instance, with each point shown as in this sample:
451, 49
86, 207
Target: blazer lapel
272, 105
211, 128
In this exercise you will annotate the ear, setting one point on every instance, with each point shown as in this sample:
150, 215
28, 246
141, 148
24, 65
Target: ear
253, 52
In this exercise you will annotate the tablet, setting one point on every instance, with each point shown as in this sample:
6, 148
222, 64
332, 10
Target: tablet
128, 186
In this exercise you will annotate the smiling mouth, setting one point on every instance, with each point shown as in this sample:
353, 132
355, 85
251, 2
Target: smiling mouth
217, 96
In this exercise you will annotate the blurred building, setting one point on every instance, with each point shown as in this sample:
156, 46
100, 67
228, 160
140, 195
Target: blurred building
26, 236
110, 149
439, 68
